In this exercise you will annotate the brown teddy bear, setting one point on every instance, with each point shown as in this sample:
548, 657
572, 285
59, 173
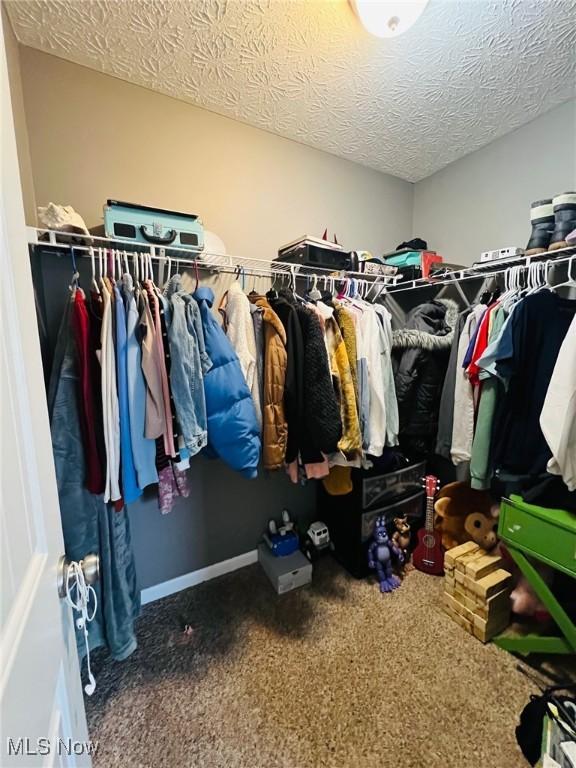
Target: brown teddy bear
463, 514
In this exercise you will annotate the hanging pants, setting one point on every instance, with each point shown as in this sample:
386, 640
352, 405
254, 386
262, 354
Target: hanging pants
89, 525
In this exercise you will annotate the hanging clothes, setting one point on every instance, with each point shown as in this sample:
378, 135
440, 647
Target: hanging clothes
155, 414
558, 416
375, 349
256, 314
172, 484
143, 449
188, 366
322, 425
95, 477
345, 321
390, 399
362, 376
159, 332
422, 350
528, 351
110, 410
350, 443
88, 524
275, 426
463, 422
446, 412
233, 433
130, 489
238, 326
285, 310
481, 469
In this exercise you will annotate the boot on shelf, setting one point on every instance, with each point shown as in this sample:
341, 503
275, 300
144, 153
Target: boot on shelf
564, 219
542, 220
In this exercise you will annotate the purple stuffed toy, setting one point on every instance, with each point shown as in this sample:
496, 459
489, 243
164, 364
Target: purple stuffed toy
380, 552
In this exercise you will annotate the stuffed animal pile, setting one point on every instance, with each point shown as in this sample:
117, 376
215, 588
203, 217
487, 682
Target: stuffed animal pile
463, 514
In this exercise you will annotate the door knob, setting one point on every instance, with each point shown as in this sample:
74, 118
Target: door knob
90, 566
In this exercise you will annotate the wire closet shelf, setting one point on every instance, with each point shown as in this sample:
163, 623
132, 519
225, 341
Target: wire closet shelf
204, 260
489, 269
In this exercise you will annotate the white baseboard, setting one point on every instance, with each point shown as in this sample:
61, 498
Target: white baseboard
166, 588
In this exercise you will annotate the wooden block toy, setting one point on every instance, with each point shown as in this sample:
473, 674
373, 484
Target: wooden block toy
459, 595
451, 555
460, 576
496, 605
491, 584
482, 566
476, 591
467, 558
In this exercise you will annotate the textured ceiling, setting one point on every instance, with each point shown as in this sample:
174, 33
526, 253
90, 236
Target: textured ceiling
466, 73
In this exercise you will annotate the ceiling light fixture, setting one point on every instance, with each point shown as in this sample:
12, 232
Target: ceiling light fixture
388, 18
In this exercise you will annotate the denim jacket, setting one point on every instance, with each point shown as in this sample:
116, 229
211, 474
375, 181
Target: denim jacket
189, 363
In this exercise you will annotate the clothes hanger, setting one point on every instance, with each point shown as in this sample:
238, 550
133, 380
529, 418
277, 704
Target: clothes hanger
272, 293
292, 284
136, 261
75, 282
571, 282
93, 282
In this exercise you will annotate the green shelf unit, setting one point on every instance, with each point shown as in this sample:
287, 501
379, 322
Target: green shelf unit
547, 535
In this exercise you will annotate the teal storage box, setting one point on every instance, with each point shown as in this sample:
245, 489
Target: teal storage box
152, 226
406, 259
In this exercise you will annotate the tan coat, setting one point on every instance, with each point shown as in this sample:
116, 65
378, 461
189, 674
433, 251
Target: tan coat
274, 426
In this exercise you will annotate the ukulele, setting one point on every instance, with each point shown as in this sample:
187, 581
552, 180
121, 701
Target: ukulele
429, 554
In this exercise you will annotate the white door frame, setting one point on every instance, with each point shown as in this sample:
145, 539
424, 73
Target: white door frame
40, 690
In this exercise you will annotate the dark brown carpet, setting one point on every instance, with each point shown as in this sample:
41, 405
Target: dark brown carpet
333, 675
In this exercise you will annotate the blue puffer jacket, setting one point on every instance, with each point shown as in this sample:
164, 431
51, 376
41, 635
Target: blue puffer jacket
233, 432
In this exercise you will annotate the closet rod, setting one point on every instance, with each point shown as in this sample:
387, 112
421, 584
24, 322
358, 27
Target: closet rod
207, 260
559, 256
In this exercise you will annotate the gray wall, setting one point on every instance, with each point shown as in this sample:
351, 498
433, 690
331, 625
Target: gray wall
225, 514
483, 200
256, 190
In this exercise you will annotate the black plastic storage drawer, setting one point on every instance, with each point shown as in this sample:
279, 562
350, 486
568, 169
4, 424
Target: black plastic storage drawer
350, 518
383, 489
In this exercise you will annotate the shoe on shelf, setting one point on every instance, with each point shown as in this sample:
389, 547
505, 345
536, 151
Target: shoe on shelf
571, 238
564, 219
542, 221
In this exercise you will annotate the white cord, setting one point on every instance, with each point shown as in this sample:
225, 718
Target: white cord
78, 595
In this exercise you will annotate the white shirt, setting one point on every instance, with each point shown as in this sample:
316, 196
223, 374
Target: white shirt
558, 416
375, 349
463, 424
240, 331
110, 411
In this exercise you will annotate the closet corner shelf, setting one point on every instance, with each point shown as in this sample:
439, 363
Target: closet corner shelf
481, 271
